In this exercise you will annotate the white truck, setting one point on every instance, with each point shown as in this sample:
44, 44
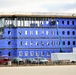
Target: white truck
71, 57
74, 49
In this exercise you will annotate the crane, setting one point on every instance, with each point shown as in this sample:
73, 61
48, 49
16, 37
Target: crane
54, 22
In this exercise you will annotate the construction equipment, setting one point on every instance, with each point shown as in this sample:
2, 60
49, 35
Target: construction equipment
54, 22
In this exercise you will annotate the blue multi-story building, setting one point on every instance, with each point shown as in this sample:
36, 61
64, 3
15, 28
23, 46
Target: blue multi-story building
32, 35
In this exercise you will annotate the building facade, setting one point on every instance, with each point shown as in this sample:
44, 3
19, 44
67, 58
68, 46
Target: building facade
30, 36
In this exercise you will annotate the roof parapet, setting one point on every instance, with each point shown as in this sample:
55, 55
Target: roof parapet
37, 14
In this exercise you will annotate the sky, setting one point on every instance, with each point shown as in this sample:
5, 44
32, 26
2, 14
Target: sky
58, 6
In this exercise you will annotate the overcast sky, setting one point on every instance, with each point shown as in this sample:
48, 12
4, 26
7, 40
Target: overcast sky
64, 6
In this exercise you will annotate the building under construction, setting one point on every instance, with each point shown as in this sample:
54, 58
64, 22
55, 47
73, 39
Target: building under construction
29, 35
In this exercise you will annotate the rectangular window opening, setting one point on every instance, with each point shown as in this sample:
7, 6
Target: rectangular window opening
36, 32
72, 22
26, 53
62, 22
68, 22
31, 53
20, 53
25, 32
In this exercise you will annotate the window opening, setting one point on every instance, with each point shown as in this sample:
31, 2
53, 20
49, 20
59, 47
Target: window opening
20, 42
31, 43
31, 32
20, 53
68, 22
20, 32
26, 43
48, 53
73, 32
47, 32
42, 53
9, 32
36, 42
53, 43
68, 32
9, 53
9, 42
73, 42
25, 32
63, 42
48, 43
31, 53
42, 42
36, 32
72, 22
52, 32
26, 53
63, 32
37, 54
62, 22
68, 42
42, 32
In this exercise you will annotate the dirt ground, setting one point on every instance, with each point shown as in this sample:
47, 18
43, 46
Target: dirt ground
39, 70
